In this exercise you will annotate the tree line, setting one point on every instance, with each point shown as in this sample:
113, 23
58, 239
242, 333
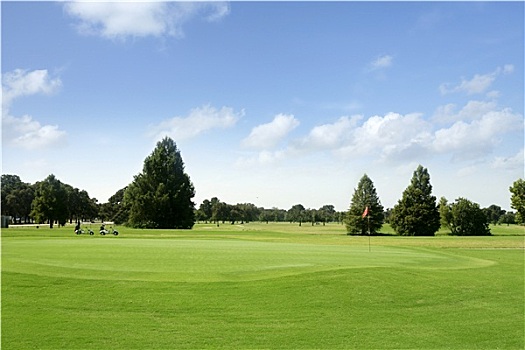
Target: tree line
50, 201
161, 196
213, 210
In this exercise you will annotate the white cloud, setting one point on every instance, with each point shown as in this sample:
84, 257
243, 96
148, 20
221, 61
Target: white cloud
21, 82
472, 110
513, 162
445, 114
392, 135
508, 68
381, 62
476, 138
332, 135
218, 11
263, 157
467, 171
25, 132
469, 136
478, 84
267, 136
494, 94
140, 19
199, 120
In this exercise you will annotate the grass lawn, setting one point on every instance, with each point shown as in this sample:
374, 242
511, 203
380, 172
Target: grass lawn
261, 286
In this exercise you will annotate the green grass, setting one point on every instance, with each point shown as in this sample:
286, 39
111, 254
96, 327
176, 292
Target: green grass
261, 286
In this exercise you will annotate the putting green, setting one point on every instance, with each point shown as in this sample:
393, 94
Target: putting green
195, 260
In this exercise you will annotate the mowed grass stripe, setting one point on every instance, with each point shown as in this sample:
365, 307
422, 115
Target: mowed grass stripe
208, 260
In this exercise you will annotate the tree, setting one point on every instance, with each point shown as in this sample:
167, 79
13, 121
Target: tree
274, 214
17, 197
388, 215
416, 213
219, 211
364, 199
161, 196
251, 211
236, 213
115, 210
508, 218
467, 219
19, 202
50, 202
296, 214
206, 210
517, 200
311, 215
494, 213
73, 202
445, 214
10, 183
326, 213
265, 215
278, 215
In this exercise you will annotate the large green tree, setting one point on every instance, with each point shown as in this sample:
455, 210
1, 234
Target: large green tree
205, 210
17, 197
494, 213
9, 184
466, 218
296, 213
517, 200
50, 202
365, 215
326, 213
220, 211
416, 213
161, 196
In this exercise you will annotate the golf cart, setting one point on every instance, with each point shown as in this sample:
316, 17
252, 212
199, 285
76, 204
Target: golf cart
111, 230
79, 230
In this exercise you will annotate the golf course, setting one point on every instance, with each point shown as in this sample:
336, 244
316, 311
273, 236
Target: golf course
259, 285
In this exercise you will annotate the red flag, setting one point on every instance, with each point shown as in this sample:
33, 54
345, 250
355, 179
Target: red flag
365, 213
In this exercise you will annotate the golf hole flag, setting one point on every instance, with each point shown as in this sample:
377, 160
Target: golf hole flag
365, 213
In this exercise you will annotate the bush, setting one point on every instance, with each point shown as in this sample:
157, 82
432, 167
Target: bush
466, 218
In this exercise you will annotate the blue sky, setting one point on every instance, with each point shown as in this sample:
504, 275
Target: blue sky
272, 103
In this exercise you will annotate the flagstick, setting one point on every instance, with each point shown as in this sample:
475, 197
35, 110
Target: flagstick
368, 233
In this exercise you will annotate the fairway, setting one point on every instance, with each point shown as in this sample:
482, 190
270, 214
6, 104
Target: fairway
260, 286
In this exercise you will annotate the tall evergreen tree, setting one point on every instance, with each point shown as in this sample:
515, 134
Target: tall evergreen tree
161, 196
416, 213
364, 201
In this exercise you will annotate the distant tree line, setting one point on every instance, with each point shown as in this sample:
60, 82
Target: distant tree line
161, 196
48, 201
215, 211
